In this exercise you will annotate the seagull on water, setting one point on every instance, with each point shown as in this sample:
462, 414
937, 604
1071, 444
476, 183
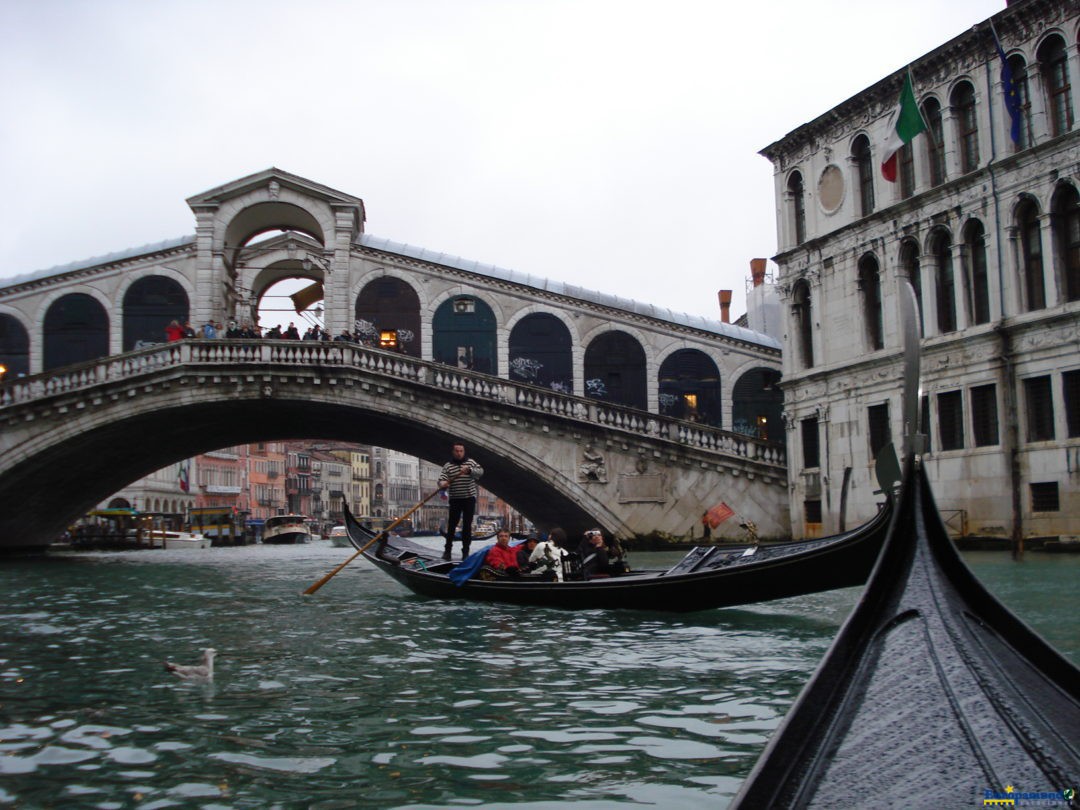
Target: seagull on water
195, 672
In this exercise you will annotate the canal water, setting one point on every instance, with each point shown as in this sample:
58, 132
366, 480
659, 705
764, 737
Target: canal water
364, 696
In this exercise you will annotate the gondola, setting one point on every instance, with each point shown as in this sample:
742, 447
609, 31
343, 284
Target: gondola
933, 694
707, 577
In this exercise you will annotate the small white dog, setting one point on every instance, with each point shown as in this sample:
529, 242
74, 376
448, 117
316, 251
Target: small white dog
195, 672
549, 556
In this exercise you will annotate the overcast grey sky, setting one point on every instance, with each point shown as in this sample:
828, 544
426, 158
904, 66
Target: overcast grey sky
607, 143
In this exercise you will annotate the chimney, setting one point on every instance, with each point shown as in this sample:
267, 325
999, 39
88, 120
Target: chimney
725, 306
757, 271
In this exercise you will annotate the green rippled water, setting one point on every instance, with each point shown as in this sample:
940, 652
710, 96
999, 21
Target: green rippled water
366, 696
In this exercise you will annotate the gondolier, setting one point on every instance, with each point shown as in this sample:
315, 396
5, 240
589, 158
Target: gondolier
458, 478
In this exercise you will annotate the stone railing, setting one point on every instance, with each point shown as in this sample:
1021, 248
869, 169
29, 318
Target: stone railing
292, 355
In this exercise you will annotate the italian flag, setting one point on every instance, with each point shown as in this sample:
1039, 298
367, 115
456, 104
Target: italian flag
904, 124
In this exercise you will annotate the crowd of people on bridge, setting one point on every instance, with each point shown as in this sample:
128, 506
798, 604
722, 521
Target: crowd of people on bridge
212, 330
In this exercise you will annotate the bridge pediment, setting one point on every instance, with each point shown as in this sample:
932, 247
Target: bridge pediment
263, 180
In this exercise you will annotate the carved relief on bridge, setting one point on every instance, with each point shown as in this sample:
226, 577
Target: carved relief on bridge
593, 466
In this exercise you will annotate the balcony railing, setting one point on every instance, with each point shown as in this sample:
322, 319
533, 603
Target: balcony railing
348, 356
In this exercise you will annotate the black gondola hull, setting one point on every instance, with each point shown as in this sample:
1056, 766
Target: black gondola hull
932, 694
805, 567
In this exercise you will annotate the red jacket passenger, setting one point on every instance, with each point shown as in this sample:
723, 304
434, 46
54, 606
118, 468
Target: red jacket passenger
501, 557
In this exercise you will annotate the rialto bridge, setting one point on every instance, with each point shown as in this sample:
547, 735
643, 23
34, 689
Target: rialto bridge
582, 406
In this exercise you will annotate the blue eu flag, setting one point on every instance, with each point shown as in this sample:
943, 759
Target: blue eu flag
1008, 87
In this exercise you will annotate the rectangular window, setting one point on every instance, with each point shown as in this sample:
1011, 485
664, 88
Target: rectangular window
951, 420
878, 419
984, 415
812, 511
1071, 382
1044, 497
810, 448
1040, 409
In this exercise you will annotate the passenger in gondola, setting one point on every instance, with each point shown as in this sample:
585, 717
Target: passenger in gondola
524, 553
596, 558
501, 557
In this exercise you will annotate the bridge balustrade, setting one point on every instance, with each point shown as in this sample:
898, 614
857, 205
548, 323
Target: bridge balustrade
317, 354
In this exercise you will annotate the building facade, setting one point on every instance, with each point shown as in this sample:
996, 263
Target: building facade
983, 220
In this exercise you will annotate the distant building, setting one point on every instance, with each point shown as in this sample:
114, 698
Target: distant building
987, 230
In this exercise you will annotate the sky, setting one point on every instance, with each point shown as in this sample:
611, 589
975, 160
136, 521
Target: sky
611, 144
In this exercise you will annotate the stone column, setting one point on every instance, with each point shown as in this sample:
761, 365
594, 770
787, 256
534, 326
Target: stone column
961, 286
928, 270
209, 265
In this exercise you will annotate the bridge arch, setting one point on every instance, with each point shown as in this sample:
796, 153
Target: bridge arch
14, 342
244, 219
75, 327
150, 301
617, 369
689, 387
757, 404
464, 332
390, 302
539, 351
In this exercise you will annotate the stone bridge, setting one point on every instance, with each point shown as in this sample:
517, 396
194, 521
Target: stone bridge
71, 437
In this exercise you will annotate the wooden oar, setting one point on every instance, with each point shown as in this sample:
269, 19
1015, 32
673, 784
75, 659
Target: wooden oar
373, 540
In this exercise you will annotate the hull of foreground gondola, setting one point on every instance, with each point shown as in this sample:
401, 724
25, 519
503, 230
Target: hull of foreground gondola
931, 694
706, 578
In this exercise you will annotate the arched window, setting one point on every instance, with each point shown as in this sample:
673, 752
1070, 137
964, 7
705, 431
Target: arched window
906, 157
1031, 262
975, 244
864, 173
935, 141
149, 305
1055, 66
1018, 68
540, 352
1066, 226
870, 289
967, 122
76, 329
389, 304
803, 317
690, 387
909, 263
463, 334
615, 370
756, 405
796, 193
945, 284
14, 348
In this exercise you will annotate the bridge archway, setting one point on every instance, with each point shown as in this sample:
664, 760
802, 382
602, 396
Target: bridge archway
689, 387
541, 352
388, 303
75, 329
265, 217
615, 369
150, 303
14, 346
463, 334
757, 404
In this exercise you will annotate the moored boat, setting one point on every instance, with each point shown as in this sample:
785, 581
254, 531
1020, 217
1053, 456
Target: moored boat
933, 694
285, 529
173, 541
707, 577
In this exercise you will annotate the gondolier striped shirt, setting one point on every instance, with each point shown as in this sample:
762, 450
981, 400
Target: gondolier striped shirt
461, 486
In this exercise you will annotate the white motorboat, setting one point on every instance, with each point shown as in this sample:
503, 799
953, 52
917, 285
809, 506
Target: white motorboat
285, 529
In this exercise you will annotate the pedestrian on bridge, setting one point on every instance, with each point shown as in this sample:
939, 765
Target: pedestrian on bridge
458, 478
